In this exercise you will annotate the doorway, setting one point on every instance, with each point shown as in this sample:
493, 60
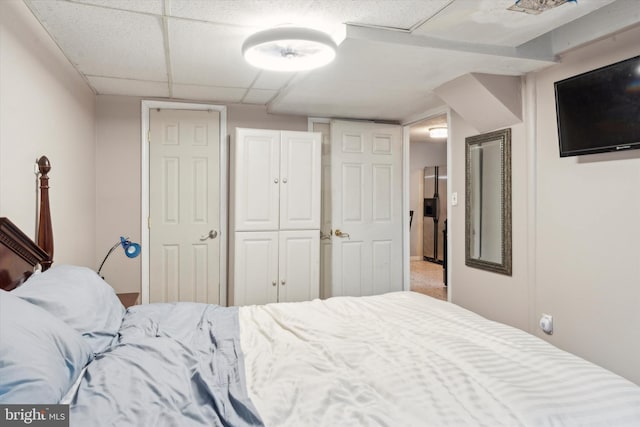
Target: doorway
361, 222
207, 283
428, 181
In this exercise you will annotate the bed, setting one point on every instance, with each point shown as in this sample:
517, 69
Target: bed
400, 359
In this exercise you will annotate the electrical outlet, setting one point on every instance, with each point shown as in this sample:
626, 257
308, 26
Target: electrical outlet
546, 324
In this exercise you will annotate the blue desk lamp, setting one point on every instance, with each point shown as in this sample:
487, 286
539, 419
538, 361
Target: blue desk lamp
131, 250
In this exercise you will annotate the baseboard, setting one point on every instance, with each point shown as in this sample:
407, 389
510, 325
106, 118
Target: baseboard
416, 258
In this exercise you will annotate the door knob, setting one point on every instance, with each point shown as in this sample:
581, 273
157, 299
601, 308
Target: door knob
211, 235
342, 234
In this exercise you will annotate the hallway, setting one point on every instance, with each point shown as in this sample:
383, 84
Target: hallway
427, 278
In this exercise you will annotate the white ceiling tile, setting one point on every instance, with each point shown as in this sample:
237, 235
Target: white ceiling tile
106, 42
259, 96
145, 6
119, 46
402, 14
489, 21
247, 13
272, 80
111, 86
325, 15
208, 54
208, 93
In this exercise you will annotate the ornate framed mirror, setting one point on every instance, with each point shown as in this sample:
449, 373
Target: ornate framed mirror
488, 202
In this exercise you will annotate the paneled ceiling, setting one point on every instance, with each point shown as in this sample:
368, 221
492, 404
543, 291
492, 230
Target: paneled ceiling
391, 53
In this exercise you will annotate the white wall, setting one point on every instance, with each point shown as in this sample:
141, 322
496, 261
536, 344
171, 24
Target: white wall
422, 154
588, 229
576, 234
118, 190
45, 108
496, 296
256, 116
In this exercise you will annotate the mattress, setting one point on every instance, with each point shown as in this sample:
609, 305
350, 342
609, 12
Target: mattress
405, 359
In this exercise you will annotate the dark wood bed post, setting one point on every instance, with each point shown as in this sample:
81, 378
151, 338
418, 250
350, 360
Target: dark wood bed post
45, 230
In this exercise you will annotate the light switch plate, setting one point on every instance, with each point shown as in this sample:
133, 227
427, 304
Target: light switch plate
454, 199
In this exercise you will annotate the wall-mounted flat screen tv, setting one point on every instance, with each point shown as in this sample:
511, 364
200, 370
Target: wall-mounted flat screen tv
599, 110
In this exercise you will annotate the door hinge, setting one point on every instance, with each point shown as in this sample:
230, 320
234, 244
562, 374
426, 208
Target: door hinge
149, 222
149, 137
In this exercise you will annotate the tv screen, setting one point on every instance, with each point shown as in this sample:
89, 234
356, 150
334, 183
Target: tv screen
599, 110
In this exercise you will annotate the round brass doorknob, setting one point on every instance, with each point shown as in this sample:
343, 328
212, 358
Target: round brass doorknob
342, 234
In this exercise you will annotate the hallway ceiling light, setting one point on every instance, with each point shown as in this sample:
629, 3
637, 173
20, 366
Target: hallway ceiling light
289, 49
438, 132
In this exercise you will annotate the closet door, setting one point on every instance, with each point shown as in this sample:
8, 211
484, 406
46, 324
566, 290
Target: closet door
299, 270
256, 268
257, 179
300, 180
366, 208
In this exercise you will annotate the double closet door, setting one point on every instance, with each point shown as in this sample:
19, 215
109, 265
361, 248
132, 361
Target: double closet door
277, 266
277, 216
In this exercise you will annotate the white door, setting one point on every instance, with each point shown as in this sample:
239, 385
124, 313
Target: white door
324, 128
366, 171
298, 271
257, 179
300, 180
184, 206
255, 267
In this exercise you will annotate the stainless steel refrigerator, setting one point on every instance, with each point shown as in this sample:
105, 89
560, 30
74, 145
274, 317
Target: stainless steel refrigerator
434, 213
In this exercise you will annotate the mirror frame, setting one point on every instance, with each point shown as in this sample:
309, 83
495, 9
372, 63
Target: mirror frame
504, 136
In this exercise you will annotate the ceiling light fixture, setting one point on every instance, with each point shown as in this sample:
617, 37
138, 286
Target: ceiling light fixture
536, 7
289, 49
438, 132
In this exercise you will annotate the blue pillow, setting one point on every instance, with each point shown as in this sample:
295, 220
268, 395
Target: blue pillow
40, 356
79, 297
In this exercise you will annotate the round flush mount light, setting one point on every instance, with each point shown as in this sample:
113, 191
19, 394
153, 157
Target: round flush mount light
438, 132
289, 49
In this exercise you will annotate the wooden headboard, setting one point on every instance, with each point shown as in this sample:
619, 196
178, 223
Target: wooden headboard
19, 255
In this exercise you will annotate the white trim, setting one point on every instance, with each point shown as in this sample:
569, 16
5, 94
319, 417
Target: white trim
146, 105
530, 112
439, 111
450, 222
312, 120
406, 236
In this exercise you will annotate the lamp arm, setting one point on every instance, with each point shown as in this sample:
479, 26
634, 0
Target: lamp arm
107, 256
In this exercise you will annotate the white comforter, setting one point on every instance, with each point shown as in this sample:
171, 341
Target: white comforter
405, 359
